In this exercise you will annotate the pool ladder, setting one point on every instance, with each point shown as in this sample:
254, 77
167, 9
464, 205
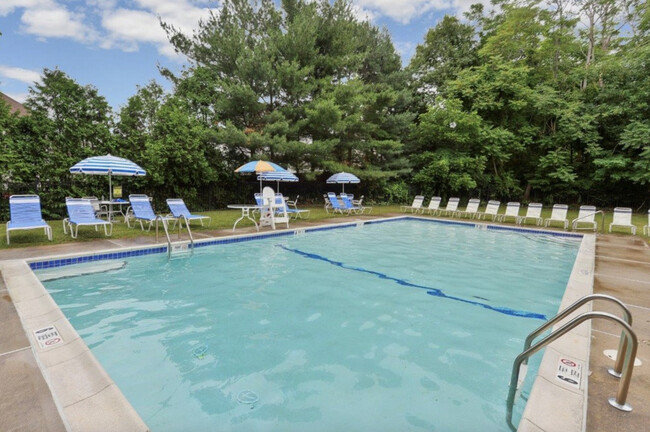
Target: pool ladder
180, 227
624, 363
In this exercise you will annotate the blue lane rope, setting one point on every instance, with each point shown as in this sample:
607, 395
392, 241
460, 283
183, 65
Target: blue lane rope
431, 291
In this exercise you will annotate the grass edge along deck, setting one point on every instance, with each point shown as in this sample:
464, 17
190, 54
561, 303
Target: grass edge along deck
88, 399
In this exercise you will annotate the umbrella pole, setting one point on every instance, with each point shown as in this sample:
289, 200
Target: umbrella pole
343, 184
110, 197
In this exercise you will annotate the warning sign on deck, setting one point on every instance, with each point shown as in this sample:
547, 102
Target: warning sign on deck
48, 336
569, 371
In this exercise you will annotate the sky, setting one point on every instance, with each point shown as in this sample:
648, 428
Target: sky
116, 45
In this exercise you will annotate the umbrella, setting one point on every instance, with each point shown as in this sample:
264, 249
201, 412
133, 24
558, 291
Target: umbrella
260, 166
343, 178
108, 165
277, 176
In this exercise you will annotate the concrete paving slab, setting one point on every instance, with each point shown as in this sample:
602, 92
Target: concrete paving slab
26, 403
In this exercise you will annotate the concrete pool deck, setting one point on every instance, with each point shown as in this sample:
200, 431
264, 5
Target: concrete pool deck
622, 269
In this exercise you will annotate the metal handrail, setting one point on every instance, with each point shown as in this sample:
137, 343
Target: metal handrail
602, 220
169, 241
628, 364
187, 225
627, 316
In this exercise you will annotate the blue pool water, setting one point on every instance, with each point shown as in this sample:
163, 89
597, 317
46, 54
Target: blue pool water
397, 326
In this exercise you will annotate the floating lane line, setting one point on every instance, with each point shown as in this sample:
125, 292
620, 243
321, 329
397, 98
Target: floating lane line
431, 291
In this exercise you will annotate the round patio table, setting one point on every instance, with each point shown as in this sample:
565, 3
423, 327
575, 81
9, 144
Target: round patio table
245, 213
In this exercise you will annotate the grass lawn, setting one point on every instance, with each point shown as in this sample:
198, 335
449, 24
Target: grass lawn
224, 219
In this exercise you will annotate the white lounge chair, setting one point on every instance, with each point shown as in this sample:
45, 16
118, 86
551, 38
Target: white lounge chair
416, 206
512, 210
452, 206
471, 209
646, 228
434, 205
586, 215
558, 214
491, 210
534, 211
81, 212
25, 213
623, 218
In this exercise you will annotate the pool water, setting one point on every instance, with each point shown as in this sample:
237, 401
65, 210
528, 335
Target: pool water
396, 326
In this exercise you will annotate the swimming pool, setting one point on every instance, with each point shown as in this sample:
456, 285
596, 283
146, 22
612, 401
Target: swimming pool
405, 325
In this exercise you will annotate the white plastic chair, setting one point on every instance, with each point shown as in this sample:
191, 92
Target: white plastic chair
623, 218
272, 212
558, 214
491, 210
434, 205
512, 210
586, 215
471, 209
534, 211
452, 206
416, 206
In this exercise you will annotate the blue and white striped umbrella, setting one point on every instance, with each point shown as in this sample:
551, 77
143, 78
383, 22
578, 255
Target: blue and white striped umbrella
343, 178
277, 177
108, 165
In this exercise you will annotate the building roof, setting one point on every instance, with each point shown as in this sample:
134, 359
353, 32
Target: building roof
14, 105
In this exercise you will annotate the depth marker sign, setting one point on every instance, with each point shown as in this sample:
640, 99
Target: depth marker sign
48, 336
569, 371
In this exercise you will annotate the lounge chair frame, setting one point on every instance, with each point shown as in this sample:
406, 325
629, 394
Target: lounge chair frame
558, 214
512, 210
534, 211
82, 213
434, 205
470, 210
416, 205
30, 213
178, 208
452, 207
491, 209
586, 215
623, 218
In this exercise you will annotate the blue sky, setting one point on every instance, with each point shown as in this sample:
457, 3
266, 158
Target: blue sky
116, 45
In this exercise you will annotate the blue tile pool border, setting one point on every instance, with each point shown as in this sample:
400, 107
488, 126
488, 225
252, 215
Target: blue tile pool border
65, 261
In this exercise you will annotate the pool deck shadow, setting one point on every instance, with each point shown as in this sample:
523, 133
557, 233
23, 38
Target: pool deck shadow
622, 270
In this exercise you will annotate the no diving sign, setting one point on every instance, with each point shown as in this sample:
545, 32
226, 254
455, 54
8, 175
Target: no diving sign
48, 336
569, 371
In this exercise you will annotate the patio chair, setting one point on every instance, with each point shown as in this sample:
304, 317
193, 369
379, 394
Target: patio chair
646, 228
416, 206
290, 209
534, 212
142, 211
337, 206
452, 206
623, 218
512, 210
470, 210
25, 213
80, 213
492, 210
178, 208
347, 204
434, 205
586, 215
100, 210
328, 203
272, 212
558, 214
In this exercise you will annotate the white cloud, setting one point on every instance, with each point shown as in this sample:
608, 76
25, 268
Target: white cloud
8, 6
402, 11
19, 74
128, 28
56, 21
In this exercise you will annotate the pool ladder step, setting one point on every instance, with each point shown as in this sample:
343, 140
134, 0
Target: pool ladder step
624, 361
177, 247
